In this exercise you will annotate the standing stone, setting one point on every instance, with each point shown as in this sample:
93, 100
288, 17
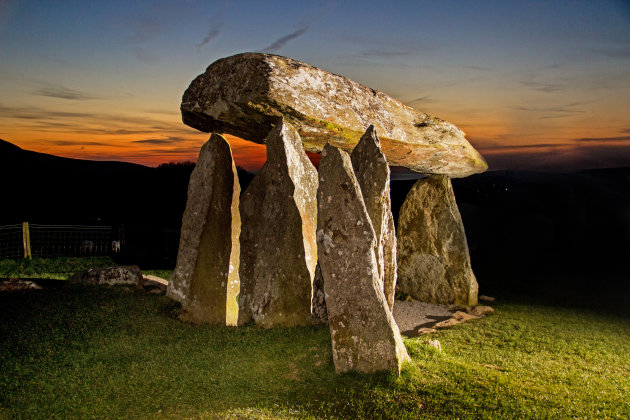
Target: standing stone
206, 279
433, 260
363, 331
372, 172
320, 314
278, 247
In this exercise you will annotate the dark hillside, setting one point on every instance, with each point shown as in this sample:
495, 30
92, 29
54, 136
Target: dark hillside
544, 229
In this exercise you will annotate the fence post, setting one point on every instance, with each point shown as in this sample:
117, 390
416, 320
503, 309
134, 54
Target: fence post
26, 240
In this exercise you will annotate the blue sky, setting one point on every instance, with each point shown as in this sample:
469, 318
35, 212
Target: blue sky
535, 85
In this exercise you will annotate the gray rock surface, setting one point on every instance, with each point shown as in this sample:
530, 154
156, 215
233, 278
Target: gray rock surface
117, 275
278, 248
372, 173
318, 306
244, 94
363, 331
433, 259
205, 279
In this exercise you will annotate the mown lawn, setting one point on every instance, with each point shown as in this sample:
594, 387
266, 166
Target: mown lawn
78, 352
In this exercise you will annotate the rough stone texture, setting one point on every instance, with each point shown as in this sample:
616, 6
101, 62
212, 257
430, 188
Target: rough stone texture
244, 94
127, 275
433, 260
278, 248
480, 310
413, 315
372, 172
363, 331
435, 344
457, 318
206, 279
318, 307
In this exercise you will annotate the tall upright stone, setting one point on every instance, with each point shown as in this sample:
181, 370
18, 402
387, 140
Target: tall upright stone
278, 247
433, 259
373, 175
363, 331
205, 279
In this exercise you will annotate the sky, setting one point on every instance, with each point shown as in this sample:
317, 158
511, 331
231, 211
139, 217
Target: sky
536, 85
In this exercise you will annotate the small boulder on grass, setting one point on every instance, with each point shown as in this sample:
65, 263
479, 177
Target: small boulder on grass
117, 275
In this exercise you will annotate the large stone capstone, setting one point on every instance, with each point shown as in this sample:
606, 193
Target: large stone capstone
244, 94
278, 248
205, 279
372, 172
363, 331
433, 259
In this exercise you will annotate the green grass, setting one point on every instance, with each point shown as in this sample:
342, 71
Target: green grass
115, 353
50, 268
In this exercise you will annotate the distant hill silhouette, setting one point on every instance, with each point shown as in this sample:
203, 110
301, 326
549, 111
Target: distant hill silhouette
522, 226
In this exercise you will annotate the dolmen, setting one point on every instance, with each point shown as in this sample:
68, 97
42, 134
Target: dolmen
305, 247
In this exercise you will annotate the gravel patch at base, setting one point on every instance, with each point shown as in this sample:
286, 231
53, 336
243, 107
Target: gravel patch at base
411, 315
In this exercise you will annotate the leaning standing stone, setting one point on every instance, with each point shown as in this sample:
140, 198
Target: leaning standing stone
206, 279
372, 172
433, 259
363, 331
278, 248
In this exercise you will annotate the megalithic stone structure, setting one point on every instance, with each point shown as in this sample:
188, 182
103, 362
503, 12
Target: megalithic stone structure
433, 259
364, 335
373, 176
206, 279
278, 248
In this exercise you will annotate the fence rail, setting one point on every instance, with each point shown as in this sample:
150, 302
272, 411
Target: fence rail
26, 240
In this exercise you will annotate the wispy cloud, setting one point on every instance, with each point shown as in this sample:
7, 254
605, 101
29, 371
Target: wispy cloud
619, 51
501, 147
215, 26
168, 140
143, 55
75, 143
588, 139
282, 41
385, 53
583, 156
426, 99
62, 92
145, 30
559, 111
546, 87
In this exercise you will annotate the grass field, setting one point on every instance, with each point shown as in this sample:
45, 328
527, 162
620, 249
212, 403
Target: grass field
77, 352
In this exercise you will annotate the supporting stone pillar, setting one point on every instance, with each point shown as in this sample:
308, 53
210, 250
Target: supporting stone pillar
373, 176
363, 331
433, 259
278, 248
206, 279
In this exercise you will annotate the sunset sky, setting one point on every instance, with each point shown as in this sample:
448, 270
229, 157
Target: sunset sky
535, 84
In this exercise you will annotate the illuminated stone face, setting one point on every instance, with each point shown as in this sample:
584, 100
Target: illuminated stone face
244, 95
206, 277
278, 249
